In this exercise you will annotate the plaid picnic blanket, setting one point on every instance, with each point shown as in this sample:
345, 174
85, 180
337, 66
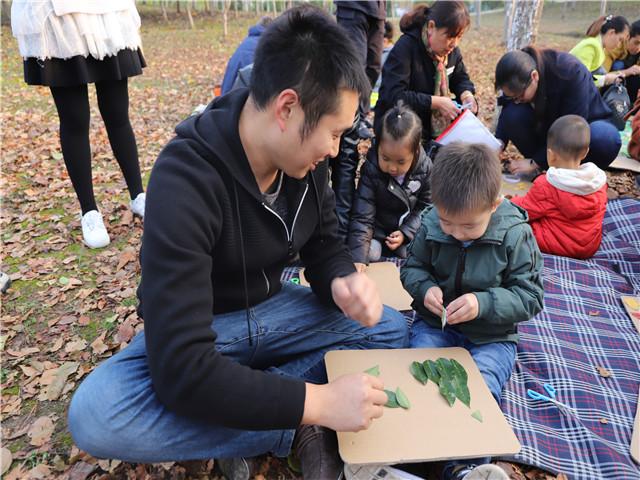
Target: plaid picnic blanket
583, 326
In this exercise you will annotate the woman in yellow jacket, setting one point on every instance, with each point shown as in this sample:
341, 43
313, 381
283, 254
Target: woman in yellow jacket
605, 34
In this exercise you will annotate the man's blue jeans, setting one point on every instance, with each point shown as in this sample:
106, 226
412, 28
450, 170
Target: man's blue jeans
115, 412
495, 360
517, 124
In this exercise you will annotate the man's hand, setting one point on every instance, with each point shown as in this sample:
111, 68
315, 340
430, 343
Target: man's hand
357, 296
463, 309
522, 166
433, 300
394, 240
348, 404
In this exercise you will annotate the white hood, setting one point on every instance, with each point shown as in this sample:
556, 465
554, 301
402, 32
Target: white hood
583, 181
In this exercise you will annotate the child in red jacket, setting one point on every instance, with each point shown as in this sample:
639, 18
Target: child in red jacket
566, 206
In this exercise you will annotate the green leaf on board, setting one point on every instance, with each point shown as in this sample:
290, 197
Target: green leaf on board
402, 399
477, 415
418, 372
374, 371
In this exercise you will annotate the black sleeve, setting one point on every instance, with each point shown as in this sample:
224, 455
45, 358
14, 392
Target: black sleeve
412, 222
190, 377
459, 81
325, 255
396, 76
363, 214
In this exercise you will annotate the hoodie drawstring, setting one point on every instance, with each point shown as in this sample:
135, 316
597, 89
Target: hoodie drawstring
244, 262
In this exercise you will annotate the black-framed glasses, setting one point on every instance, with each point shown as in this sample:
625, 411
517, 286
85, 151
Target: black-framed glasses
518, 98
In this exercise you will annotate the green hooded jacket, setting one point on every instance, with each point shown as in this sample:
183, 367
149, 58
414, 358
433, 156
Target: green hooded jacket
502, 268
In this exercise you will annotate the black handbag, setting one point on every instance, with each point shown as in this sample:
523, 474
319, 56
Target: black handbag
617, 99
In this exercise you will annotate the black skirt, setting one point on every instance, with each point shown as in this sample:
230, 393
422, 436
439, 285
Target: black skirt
78, 70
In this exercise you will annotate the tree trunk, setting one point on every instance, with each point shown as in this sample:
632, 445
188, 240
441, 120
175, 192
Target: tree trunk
525, 18
6, 13
603, 7
508, 18
178, 6
225, 18
164, 12
275, 9
191, 25
478, 4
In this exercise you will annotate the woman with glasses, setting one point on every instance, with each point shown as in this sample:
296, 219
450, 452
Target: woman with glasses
540, 85
425, 67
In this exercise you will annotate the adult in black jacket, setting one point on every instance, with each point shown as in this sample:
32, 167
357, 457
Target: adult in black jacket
393, 190
230, 362
539, 86
425, 66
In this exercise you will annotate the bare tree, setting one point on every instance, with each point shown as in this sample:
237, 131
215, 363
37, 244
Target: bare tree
225, 17
191, 24
603, 7
178, 6
523, 23
478, 4
164, 11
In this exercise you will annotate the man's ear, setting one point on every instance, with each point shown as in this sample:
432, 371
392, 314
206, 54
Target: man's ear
285, 103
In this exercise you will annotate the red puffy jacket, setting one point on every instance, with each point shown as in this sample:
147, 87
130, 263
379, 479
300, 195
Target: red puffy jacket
564, 223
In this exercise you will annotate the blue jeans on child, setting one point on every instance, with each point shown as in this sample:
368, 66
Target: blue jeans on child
517, 124
116, 414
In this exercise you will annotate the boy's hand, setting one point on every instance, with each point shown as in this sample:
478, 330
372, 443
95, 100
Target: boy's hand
463, 309
357, 296
394, 240
433, 300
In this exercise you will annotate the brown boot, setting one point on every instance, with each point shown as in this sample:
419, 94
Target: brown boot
317, 450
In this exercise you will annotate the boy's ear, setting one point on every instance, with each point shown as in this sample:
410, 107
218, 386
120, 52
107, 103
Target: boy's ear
584, 155
285, 102
496, 204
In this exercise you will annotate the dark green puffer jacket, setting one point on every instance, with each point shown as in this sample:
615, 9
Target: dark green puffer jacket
502, 268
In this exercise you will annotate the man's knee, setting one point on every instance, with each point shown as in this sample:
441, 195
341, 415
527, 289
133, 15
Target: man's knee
396, 327
605, 143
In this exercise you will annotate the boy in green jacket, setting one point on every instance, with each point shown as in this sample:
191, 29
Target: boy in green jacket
475, 257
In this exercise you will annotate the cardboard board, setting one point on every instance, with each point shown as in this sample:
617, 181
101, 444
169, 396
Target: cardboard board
519, 188
635, 439
431, 429
632, 306
387, 278
622, 162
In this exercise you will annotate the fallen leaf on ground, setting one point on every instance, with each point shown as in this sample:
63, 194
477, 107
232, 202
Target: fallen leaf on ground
41, 431
5, 460
55, 389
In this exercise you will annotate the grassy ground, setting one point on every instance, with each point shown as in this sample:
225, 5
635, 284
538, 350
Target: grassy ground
70, 307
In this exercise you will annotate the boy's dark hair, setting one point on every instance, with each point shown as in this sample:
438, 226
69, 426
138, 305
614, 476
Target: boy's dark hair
304, 49
605, 23
388, 30
635, 29
465, 177
400, 123
450, 14
569, 135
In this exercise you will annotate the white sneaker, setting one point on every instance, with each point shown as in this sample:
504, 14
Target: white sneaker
137, 204
94, 232
487, 471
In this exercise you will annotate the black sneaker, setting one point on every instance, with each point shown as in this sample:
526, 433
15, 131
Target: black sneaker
317, 451
238, 468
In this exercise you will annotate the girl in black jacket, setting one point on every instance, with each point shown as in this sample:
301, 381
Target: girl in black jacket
425, 67
393, 189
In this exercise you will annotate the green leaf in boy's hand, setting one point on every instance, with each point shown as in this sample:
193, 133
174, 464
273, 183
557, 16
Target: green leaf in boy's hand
373, 371
402, 399
418, 372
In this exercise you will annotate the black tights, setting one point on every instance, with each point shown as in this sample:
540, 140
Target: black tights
73, 110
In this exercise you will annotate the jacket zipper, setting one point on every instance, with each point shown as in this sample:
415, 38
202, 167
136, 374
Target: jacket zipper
266, 279
401, 196
462, 255
284, 224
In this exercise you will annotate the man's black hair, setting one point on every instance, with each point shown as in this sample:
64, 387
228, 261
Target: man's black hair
306, 50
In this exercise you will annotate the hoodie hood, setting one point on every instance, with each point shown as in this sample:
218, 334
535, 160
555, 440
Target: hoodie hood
256, 30
215, 138
585, 180
506, 216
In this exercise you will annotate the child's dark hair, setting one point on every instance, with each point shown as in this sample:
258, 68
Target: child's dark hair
569, 135
452, 15
465, 177
401, 123
605, 23
388, 30
634, 31
288, 56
